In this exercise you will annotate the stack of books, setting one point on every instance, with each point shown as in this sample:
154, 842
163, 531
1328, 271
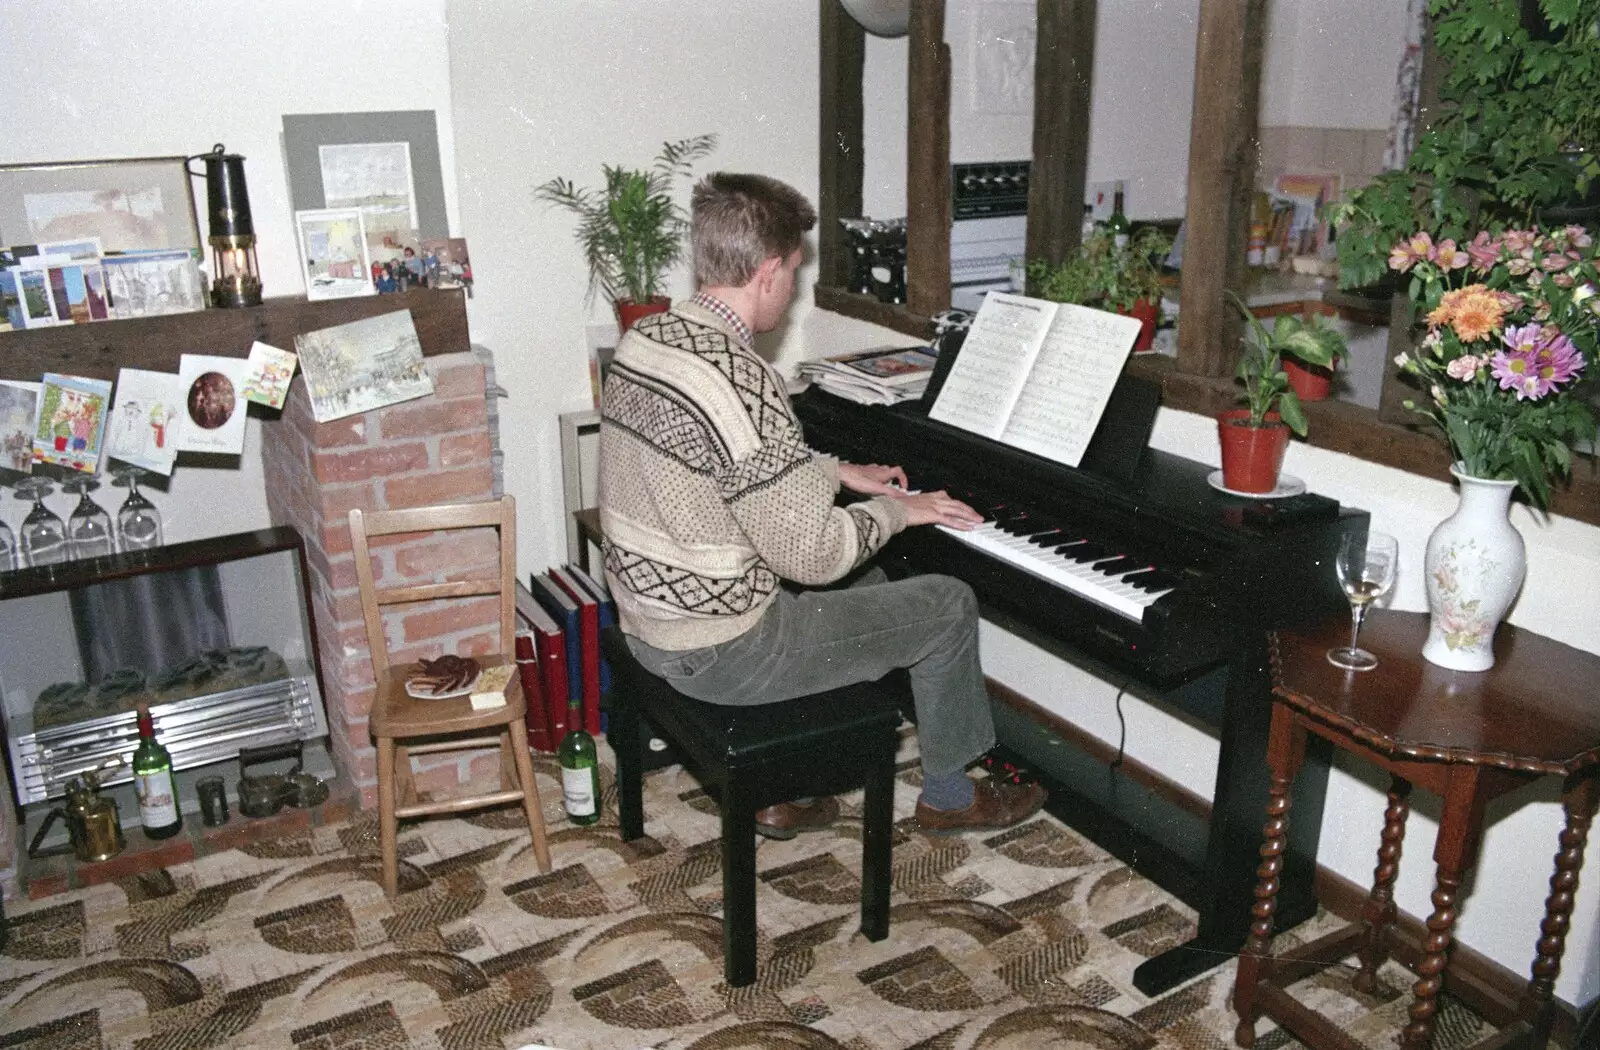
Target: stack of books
880, 376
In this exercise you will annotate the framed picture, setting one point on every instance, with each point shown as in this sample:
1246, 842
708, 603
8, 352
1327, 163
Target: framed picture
141, 204
333, 253
386, 164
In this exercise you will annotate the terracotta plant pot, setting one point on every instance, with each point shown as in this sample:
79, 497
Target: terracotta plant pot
1251, 456
629, 311
1148, 313
1310, 382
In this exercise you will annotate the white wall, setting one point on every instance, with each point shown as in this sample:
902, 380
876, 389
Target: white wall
119, 78
1332, 63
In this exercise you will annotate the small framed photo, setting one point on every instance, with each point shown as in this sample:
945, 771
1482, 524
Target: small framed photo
333, 253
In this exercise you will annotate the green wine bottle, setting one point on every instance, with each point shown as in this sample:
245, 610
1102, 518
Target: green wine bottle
1118, 224
153, 784
580, 769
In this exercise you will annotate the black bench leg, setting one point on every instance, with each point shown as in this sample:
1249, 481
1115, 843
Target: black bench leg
738, 885
877, 841
623, 734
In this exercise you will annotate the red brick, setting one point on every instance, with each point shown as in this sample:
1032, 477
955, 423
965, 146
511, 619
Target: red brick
377, 461
425, 490
440, 778
346, 609
479, 644
457, 380
461, 555
352, 430
448, 619
137, 858
337, 501
335, 535
432, 416
359, 734
46, 885
457, 450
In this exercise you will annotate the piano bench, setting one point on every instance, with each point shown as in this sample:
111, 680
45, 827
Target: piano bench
757, 756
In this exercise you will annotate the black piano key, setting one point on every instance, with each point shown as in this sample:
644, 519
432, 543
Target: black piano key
1155, 580
1085, 551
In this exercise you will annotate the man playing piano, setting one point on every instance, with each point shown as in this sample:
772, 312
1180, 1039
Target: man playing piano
722, 534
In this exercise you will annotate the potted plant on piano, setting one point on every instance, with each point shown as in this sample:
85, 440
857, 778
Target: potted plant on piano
1124, 280
1254, 438
631, 230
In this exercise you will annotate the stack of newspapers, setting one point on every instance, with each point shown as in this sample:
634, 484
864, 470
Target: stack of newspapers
880, 376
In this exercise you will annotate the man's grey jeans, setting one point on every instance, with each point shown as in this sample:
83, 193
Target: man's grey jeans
817, 640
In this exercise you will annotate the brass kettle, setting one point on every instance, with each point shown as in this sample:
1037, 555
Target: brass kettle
93, 824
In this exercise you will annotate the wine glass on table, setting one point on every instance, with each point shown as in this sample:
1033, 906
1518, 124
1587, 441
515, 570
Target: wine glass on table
44, 535
89, 532
1366, 567
138, 522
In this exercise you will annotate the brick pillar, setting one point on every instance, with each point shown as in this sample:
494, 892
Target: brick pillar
433, 450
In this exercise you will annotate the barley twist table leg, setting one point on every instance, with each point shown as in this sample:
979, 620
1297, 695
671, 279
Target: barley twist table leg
1580, 803
1285, 752
1379, 913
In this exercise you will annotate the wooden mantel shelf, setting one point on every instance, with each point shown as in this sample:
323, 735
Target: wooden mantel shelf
1335, 425
97, 350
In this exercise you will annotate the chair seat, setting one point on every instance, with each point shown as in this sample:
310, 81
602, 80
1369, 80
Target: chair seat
398, 714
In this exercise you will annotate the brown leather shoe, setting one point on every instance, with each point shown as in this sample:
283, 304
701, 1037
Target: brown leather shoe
997, 804
788, 819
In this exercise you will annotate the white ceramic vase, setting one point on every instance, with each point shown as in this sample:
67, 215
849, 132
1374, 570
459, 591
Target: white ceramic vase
1475, 564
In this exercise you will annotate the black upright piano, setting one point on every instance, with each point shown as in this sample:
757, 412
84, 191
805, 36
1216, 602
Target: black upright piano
1135, 567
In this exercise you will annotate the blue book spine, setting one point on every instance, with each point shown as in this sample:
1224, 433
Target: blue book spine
564, 611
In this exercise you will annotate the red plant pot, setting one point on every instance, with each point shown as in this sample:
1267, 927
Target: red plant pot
1310, 382
629, 311
1251, 456
1148, 313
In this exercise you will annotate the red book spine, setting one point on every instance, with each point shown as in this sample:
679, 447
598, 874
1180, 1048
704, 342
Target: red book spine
553, 664
538, 714
589, 650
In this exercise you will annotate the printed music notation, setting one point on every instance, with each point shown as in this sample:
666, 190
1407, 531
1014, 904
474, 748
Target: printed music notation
1038, 376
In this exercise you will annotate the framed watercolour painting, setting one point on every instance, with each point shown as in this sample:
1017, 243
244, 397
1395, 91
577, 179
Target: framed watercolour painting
333, 253
384, 163
140, 204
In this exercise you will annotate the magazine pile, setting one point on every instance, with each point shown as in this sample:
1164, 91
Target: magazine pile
880, 376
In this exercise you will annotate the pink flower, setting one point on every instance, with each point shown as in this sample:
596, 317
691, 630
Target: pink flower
1464, 367
1538, 359
1517, 265
1579, 237
1509, 301
1553, 263
1448, 256
1519, 241
1484, 251
1407, 253
1562, 280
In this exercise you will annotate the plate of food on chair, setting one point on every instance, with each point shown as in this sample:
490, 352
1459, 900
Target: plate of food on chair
442, 678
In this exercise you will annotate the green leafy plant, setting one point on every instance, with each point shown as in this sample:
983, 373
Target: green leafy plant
630, 229
1260, 368
1516, 133
1103, 275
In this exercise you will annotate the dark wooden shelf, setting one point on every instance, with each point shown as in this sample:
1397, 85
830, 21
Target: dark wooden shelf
1335, 425
97, 350
82, 572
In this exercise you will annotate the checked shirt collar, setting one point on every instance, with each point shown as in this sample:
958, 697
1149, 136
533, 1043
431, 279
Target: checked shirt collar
724, 311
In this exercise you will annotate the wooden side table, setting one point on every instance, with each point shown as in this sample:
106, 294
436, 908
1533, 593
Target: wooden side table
1467, 737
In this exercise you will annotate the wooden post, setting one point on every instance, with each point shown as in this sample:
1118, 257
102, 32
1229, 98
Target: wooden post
1222, 166
843, 55
1062, 70
928, 162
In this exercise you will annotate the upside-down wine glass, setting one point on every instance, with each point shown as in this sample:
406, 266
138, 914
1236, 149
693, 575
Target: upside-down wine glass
1366, 567
8, 548
89, 532
138, 521
44, 535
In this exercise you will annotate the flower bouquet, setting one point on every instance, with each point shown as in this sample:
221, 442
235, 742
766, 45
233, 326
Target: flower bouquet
1513, 333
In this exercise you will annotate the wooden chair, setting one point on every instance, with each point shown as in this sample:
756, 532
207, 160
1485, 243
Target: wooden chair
753, 757
403, 726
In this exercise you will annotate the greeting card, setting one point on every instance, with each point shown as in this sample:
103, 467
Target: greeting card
72, 421
213, 404
266, 382
19, 413
145, 419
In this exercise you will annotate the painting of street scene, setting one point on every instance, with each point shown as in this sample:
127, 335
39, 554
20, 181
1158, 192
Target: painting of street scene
363, 365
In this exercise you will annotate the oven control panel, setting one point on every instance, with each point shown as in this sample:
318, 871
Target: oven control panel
989, 189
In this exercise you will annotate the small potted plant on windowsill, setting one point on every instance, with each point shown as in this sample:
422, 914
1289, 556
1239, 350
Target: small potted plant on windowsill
1255, 438
631, 230
1125, 280
1312, 350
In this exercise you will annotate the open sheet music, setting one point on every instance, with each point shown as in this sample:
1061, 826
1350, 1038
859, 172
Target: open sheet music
1036, 375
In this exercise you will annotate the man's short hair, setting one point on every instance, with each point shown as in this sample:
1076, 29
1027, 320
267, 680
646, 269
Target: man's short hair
738, 221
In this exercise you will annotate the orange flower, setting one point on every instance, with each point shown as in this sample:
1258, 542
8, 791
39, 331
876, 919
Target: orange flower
1477, 313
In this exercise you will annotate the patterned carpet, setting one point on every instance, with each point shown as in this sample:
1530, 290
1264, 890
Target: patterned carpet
1017, 940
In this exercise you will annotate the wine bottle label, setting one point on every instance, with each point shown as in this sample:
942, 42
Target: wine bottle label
577, 789
158, 803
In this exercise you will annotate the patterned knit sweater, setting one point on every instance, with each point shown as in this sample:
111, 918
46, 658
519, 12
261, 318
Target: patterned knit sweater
708, 493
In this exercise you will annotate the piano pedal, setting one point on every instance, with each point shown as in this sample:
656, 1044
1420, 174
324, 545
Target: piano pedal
1000, 769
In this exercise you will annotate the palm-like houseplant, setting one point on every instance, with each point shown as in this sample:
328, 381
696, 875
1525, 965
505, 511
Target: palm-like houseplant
630, 229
